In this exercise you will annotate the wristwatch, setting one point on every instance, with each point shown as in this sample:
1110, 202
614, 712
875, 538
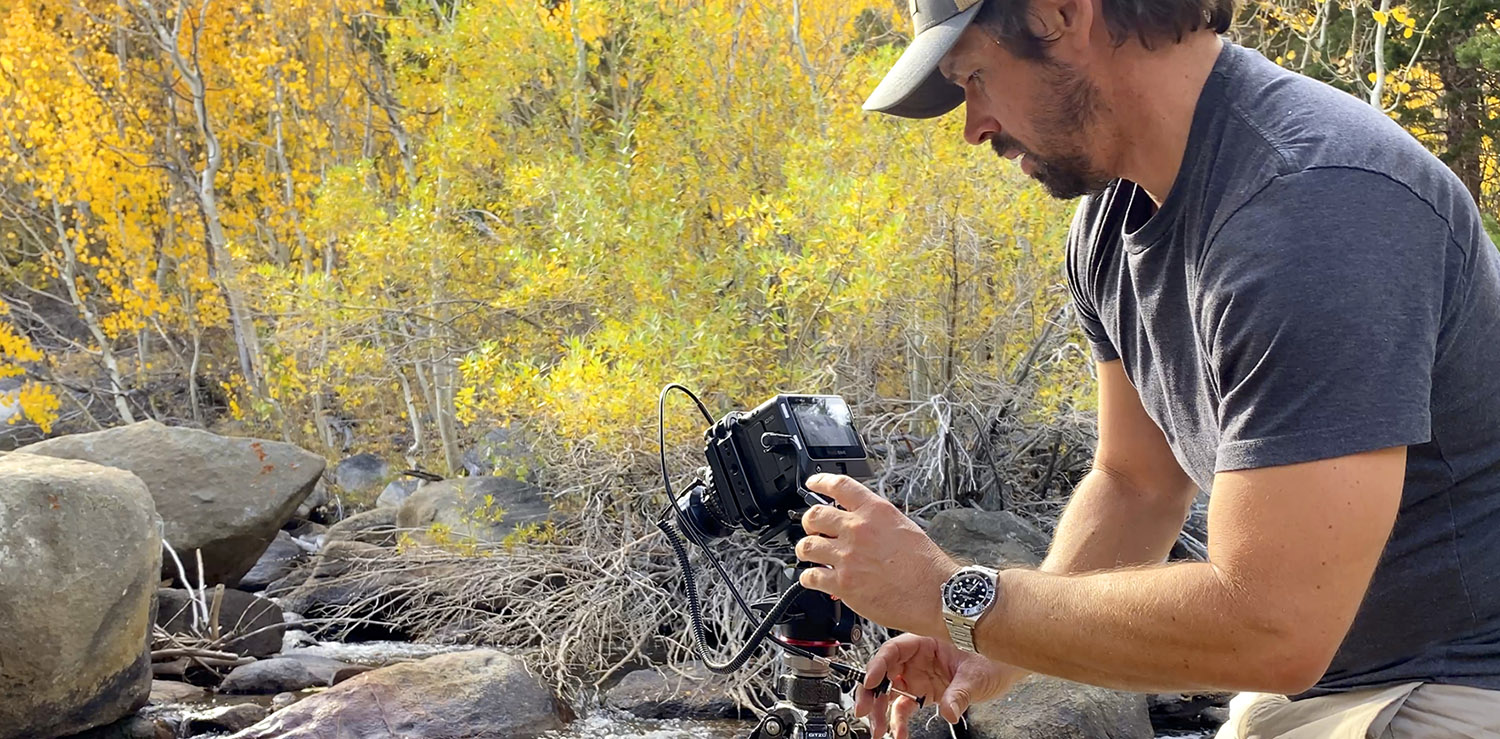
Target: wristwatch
967, 596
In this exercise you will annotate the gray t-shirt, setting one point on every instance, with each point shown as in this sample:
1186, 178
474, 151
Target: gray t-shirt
1317, 284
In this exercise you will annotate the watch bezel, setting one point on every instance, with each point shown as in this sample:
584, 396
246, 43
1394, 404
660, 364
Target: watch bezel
970, 573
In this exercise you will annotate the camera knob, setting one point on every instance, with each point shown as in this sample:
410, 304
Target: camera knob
773, 727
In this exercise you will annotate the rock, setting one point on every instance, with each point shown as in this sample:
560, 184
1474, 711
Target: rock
990, 538
345, 574
697, 694
172, 691
282, 700
226, 496
1058, 709
258, 620
79, 562
481, 693
361, 473
501, 452
279, 559
223, 719
130, 727
397, 492
461, 506
306, 530
317, 499
1202, 714
376, 527
282, 674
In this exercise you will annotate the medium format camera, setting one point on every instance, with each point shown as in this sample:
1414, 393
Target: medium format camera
759, 462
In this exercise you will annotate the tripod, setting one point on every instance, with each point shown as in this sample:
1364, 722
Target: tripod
810, 697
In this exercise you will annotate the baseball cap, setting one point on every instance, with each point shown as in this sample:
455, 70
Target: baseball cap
914, 88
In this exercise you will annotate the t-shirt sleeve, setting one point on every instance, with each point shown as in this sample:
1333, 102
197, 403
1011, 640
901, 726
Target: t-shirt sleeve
1080, 272
1322, 302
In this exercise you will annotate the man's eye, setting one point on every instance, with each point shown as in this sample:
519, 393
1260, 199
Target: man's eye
974, 77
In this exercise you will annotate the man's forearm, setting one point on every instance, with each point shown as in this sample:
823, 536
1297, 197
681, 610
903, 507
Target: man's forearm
1111, 523
1165, 628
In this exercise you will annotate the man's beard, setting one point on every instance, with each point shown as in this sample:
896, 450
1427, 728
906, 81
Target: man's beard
1065, 171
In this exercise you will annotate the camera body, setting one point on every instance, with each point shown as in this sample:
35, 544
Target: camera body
759, 462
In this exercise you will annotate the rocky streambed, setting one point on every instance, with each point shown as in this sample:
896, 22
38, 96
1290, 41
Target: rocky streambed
169, 583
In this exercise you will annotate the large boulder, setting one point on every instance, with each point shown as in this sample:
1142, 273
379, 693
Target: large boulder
690, 692
79, 560
485, 509
450, 696
361, 473
225, 496
990, 538
257, 621
1058, 709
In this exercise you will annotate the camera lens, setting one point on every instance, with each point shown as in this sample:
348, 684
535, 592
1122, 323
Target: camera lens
704, 514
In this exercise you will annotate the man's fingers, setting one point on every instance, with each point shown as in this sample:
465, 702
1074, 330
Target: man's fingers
844, 490
820, 579
902, 709
955, 701
892, 655
824, 519
818, 549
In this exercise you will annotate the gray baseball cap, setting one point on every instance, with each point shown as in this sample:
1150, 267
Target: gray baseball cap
914, 88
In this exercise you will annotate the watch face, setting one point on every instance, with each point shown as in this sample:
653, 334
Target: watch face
969, 593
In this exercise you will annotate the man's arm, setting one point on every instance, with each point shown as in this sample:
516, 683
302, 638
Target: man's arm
1130, 507
1291, 552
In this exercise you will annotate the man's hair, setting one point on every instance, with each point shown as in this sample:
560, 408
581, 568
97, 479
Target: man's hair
1151, 21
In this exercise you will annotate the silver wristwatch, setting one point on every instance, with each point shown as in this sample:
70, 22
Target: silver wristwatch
967, 596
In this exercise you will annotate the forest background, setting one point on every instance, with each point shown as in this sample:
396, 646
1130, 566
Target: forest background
398, 226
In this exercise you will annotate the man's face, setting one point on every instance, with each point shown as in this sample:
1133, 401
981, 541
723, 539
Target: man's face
1040, 111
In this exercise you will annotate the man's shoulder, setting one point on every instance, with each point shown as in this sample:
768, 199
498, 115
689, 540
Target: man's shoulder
1285, 124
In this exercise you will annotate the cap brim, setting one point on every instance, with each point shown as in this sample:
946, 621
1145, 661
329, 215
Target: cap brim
914, 88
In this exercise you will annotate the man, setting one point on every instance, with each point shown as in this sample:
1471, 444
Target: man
1292, 305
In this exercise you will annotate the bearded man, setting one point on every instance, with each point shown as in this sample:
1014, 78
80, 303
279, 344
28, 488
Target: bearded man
1293, 306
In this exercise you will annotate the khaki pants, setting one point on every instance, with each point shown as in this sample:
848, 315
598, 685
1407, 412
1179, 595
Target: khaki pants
1409, 711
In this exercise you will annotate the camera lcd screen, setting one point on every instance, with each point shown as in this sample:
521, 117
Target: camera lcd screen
827, 426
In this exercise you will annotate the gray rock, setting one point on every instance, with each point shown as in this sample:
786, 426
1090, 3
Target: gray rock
226, 496
317, 499
990, 538
79, 561
361, 473
165, 692
462, 506
282, 674
376, 527
1203, 713
306, 530
1058, 709
130, 727
349, 574
464, 694
223, 719
279, 559
697, 694
397, 492
501, 452
256, 619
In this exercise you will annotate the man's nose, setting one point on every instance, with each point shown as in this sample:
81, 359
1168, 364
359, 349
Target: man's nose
978, 126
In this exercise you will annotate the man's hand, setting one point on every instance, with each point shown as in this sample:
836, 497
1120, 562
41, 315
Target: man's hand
875, 559
933, 669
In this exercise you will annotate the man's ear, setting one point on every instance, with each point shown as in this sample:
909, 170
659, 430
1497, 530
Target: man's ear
1066, 24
